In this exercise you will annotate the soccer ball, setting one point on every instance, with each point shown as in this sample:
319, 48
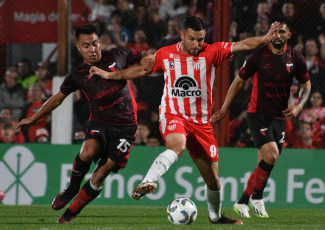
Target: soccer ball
182, 211
2, 195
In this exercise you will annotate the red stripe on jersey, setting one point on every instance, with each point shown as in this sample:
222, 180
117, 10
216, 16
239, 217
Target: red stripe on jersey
274, 84
90, 115
269, 95
172, 82
134, 104
253, 103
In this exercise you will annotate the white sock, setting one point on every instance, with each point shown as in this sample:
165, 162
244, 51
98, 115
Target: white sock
160, 165
95, 187
214, 203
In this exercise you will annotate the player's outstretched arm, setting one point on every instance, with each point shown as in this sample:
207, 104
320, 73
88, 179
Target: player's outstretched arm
133, 72
233, 90
254, 42
292, 112
46, 108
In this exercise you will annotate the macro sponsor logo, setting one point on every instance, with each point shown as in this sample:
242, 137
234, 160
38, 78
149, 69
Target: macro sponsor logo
186, 86
22, 178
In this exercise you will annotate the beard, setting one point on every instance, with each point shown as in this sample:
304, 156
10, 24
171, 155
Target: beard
278, 45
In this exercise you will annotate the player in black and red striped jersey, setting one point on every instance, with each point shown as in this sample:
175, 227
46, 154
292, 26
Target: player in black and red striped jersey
113, 120
273, 67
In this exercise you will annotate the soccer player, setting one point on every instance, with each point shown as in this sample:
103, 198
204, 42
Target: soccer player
186, 107
113, 120
273, 68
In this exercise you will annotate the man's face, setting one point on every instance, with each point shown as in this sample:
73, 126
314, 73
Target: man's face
305, 131
5, 116
311, 48
281, 36
24, 69
35, 93
11, 79
41, 73
192, 41
89, 47
288, 10
143, 131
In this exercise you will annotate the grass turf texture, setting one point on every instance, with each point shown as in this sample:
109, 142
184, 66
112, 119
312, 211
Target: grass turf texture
131, 217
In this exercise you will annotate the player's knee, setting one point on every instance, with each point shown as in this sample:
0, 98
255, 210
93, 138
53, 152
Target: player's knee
272, 157
177, 147
88, 153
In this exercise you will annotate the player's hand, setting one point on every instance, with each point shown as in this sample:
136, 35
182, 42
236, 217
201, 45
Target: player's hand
270, 34
292, 112
148, 63
24, 123
102, 73
217, 116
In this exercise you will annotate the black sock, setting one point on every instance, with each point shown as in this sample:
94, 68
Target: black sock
244, 199
79, 170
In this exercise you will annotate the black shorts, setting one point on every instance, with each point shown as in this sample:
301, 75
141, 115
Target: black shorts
264, 130
116, 141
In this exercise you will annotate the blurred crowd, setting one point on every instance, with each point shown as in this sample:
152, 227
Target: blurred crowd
147, 25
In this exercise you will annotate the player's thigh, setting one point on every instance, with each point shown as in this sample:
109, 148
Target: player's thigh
174, 133
90, 149
259, 127
201, 142
95, 142
120, 143
176, 142
278, 128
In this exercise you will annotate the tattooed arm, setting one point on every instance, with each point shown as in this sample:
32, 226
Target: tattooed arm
304, 92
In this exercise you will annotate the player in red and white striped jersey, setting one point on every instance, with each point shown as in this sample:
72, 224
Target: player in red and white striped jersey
186, 107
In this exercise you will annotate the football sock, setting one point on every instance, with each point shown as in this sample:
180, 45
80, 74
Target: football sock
262, 173
248, 191
160, 165
86, 194
214, 203
244, 199
79, 170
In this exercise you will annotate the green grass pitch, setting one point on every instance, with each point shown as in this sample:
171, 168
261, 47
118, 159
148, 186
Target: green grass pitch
135, 217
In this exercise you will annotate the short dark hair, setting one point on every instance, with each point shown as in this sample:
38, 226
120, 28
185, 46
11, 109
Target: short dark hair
283, 20
195, 23
85, 29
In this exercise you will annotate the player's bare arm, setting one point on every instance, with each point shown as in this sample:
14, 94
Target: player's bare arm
254, 42
46, 108
304, 92
147, 64
233, 90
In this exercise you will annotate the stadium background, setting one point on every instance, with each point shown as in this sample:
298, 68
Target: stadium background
39, 30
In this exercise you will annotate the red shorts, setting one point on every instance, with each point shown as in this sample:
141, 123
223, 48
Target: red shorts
200, 140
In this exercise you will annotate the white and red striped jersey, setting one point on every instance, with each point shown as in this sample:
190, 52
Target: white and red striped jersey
189, 80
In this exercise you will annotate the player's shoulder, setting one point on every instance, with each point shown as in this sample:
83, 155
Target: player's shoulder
261, 52
293, 51
167, 50
223, 45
